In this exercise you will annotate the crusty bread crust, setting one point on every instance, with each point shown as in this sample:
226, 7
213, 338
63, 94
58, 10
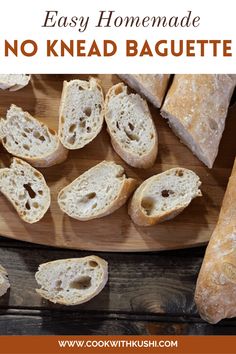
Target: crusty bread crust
152, 87
86, 297
196, 108
44, 160
136, 211
216, 284
126, 189
145, 160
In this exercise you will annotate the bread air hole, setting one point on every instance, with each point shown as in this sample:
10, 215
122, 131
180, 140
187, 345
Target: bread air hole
132, 136
42, 138
71, 140
179, 173
131, 127
4, 140
147, 204
166, 193
212, 124
26, 147
27, 205
30, 191
91, 195
72, 128
58, 285
93, 264
40, 192
87, 111
81, 283
88, 129
36, 134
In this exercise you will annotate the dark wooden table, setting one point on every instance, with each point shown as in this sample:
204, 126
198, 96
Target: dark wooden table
147, 293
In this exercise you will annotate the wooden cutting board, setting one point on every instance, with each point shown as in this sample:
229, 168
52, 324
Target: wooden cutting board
116, 232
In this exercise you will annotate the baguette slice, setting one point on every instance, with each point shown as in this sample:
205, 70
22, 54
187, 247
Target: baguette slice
4, 282
129, 122
216, 283
152, 87
196, 107
97, 192
26, 189
24, 136
163, 196
72, 281
81, 112
13, 82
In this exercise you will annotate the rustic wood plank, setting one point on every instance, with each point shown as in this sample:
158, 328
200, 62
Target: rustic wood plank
11, 324
155, 283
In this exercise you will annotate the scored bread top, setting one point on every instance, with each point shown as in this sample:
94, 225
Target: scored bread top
72, 281
13, 82
132, 131
81, 112
163, 196
24, 136
196, 108
152, 86
97, 192
26, 189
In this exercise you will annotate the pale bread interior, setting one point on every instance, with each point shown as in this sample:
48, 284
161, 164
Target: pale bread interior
26, 189
24, 136
170, 191
72, 281
13, 81
93, 192
81, 113
130, 122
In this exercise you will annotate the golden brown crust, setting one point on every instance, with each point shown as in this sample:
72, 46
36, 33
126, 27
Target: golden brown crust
152, 87
216, 284
196, 107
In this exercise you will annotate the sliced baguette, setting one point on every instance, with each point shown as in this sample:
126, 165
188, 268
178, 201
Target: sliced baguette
72, 281
4, 282
129, 122
13, 82
81, 113
26, 189
163, 196
196, 107
97, 192
26, 137
152, 87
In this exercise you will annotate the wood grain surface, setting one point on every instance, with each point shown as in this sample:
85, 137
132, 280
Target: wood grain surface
147, 293
116, 232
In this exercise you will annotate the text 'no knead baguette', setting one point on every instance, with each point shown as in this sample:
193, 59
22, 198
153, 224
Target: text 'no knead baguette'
129, 122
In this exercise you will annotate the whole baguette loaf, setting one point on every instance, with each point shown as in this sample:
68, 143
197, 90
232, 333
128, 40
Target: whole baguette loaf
4, 282
13, 82
26, 137
26, 189
129, 123
72, 281
163, 196
98, 192
152, 87
196, 107
216, 284
81, 112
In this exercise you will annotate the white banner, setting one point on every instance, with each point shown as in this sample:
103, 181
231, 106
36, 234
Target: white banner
89, 36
